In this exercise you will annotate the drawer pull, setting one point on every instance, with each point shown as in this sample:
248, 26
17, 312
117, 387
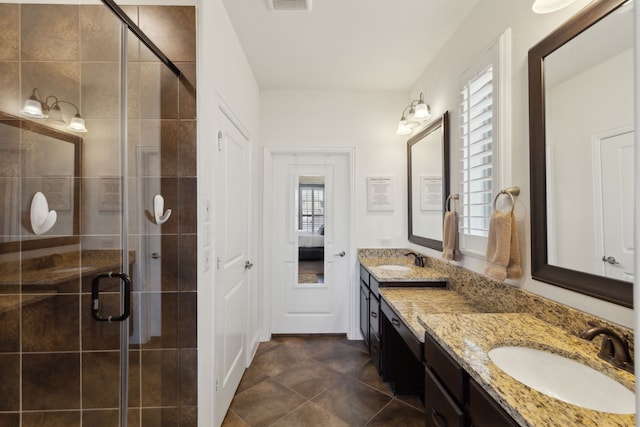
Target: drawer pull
374, 314
395, 322
438, 419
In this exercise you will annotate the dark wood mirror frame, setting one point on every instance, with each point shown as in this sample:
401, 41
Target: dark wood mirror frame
612, 290
444, 123
48, 242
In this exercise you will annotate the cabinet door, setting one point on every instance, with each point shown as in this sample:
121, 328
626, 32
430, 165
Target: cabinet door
440, 409
484, 411
364, 312
375, 351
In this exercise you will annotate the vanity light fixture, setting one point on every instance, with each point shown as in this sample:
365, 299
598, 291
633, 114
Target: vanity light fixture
419, 111
35, 108
548, 6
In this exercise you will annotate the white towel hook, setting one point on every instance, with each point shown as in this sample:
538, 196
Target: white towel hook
42, 219
158, 210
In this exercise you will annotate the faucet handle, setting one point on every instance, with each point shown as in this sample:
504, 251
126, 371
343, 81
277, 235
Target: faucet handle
606, 348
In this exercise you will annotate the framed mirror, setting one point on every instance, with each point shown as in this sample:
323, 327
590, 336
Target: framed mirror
581, 153
428, 182
37, 158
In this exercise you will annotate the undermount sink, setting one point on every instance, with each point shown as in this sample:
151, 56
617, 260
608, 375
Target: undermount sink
395, 267
564, 379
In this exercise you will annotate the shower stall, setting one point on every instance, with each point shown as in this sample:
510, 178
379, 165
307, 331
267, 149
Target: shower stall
98, 182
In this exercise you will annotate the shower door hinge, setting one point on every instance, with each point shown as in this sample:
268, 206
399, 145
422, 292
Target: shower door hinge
218, 263
220, 140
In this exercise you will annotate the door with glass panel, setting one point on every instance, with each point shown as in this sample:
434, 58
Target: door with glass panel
309, 227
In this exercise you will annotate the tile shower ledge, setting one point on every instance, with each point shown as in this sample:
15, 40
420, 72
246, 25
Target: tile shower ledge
63, 270
468, 337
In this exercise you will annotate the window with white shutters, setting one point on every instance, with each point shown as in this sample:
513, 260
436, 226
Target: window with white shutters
480, 146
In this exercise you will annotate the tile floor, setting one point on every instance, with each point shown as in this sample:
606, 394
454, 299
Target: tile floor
318, 380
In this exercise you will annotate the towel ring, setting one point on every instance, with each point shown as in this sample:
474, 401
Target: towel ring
512, 192
447, 206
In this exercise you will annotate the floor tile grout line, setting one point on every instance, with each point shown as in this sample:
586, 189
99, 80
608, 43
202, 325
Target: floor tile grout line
379, 412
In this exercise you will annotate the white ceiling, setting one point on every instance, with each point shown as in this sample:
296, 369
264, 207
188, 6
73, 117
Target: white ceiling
345, 44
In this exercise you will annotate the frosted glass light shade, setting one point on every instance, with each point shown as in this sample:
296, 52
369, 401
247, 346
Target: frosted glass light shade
422, 112
548, 6
403, 129
33, 108
77, 124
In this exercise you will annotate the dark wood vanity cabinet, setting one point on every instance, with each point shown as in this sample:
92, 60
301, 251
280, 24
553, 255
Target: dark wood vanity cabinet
454, 399
372, 328
370, 316
401, 354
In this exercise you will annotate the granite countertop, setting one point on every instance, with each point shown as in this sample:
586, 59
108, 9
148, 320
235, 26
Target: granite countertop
409, 303
415, 274
467, 334
468, 337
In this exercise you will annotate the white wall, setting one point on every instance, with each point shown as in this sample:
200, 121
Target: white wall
439, 82
365, 120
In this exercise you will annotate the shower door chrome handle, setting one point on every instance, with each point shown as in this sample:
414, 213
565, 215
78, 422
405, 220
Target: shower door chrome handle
95, 297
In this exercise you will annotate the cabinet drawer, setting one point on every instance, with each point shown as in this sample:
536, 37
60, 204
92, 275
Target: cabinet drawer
364, 275
440, 409
484, 411
445, 368
403, 330
374, 315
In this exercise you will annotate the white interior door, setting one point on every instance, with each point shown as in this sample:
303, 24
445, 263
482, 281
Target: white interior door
617, 156
309, 307
232, 177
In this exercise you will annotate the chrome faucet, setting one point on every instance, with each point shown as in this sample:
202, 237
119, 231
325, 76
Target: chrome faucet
419, 259
614, 348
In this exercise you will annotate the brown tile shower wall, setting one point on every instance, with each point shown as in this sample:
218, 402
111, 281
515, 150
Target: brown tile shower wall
56, 364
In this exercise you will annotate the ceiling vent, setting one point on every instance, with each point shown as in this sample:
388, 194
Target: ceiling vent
290, 5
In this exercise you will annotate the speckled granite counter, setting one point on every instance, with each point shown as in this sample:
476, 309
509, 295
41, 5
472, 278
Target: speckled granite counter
415, 274
409, 303
469, 337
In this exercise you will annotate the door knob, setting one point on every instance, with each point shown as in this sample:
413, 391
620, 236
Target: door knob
611, 260
341, 254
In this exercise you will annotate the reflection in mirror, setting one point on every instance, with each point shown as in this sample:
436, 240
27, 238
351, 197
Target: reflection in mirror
582, 137
35, 158
428, 183
311, 229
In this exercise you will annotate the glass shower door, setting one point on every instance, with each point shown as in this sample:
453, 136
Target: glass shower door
90, 219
